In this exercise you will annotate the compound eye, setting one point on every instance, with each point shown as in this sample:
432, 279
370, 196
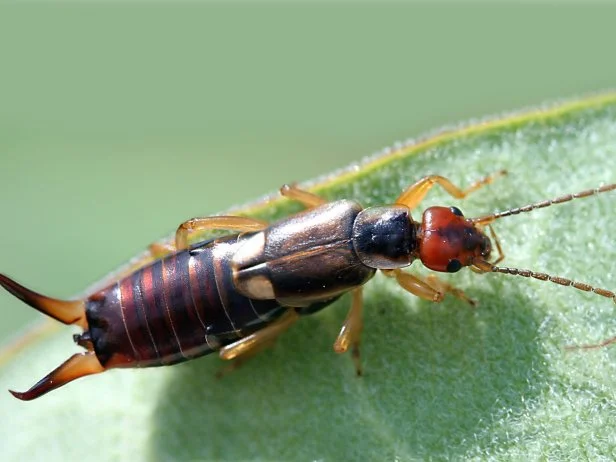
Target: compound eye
454, 266
456, 211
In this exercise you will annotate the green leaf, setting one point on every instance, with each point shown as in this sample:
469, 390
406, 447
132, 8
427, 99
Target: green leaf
441, 381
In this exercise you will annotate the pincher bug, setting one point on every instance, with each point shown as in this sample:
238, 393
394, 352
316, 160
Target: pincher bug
237, 293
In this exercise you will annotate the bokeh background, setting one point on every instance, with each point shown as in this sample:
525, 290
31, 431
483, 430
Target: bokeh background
120, 120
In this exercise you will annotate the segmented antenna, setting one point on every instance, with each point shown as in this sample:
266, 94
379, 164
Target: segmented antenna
487, 219
556, 280
487, 267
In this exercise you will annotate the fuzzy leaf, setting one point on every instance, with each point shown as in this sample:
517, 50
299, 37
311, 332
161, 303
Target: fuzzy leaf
441, 381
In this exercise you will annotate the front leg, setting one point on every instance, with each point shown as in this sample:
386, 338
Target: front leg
415, 193
415, 285
431, 289
446, 288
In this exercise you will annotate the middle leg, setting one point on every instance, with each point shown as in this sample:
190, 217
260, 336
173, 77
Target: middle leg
350, 334
307, 198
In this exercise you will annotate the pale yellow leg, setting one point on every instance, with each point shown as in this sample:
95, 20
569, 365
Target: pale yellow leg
159, 249
350, 334
230, 223
415, 285
415, 193
240, 360
309, 199
262, 337
445, 288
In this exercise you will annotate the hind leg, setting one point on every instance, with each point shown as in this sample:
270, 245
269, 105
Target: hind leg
196, 225
244, 357
249, 346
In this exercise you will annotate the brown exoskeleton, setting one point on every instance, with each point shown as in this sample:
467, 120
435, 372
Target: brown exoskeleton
236, 294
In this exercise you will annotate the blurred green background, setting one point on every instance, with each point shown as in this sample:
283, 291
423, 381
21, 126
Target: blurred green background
118, 121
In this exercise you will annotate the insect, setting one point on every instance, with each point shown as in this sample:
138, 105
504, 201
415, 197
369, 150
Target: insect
237, 293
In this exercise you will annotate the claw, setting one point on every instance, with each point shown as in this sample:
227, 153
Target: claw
65, 311
78, 365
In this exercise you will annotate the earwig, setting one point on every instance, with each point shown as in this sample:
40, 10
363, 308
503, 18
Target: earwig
238, 293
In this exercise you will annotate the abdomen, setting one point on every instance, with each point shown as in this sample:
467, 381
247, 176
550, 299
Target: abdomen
180, 307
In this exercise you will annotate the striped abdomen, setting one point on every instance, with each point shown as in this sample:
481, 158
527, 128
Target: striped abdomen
175, 309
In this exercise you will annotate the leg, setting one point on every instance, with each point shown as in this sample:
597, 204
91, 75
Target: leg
159, 249
350, 334
445, 288
231, 223
415, 193
240, 360
259, 339
309, 199
415, 285
433, 289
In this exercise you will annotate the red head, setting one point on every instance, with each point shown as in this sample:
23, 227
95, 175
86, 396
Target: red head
448, 241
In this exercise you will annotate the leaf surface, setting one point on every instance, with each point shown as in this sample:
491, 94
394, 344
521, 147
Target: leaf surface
441, 381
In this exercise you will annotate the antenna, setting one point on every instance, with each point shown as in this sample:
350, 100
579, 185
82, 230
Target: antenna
486, 267
487, 219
